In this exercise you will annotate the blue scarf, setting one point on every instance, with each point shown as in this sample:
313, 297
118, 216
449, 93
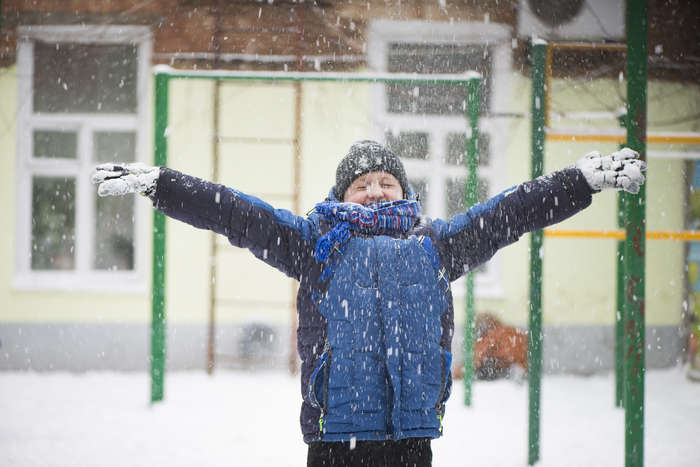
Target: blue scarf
376, 219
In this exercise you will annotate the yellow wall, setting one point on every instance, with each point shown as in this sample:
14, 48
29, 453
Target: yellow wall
256, 156
187, 249
579, 274
46, 306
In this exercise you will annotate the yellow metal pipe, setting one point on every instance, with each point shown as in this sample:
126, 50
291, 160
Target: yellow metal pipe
588, 46
685, 235
621, 138
619, 234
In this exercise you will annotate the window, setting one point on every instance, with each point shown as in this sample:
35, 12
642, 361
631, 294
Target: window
434, 99
83, 103
426, 124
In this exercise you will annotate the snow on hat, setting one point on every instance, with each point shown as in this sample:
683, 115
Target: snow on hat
364, 157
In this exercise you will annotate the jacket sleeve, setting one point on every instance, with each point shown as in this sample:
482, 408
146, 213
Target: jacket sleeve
276, 236
471, 238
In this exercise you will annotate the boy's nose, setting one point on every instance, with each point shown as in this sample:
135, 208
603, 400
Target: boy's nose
374, 190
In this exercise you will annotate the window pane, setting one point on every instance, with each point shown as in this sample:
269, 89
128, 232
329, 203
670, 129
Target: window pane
53, 223
455, 196
436, 58
114, 233
115, 146
55, 144
409, 145
456, 147
456, 192
94, 78
421, 189
114, 221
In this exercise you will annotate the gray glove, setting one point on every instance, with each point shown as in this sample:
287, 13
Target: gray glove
120, 179
621, 170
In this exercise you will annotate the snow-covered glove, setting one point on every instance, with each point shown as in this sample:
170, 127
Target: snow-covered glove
120, 179
621, 170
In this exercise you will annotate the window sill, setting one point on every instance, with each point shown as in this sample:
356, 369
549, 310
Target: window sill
70, 281
483, 289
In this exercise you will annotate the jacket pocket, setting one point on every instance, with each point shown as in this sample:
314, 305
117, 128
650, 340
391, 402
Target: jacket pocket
446, 358
318, 382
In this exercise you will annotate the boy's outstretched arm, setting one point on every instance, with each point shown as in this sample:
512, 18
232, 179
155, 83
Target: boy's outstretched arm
276, 236
473, 237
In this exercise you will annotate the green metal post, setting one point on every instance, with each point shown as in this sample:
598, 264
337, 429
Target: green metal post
539, 54
622, 203
619, 306
471, 198
158, 292
635, 244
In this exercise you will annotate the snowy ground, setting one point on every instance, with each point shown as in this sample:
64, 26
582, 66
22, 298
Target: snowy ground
243, 419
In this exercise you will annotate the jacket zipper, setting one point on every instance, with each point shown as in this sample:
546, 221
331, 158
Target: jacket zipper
321, 405
324, 405
439, 406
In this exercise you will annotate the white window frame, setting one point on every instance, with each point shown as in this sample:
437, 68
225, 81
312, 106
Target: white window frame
381, 33
83, 277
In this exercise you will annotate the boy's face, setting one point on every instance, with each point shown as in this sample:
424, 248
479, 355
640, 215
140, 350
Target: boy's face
373, 187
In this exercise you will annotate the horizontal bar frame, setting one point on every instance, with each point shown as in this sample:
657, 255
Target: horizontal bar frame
463, 78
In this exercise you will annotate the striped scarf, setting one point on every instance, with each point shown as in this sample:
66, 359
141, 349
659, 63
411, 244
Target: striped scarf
377, 219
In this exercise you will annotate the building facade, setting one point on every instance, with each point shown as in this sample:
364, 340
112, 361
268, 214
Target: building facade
77, 89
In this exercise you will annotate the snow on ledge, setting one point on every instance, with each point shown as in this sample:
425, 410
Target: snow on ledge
318, 76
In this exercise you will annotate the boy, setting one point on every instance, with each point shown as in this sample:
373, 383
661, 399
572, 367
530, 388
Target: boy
374, 303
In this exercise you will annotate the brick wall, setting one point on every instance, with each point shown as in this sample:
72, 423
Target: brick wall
324, 28
237, 27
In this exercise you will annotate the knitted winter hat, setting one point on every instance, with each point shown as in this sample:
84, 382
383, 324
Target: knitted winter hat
364, 157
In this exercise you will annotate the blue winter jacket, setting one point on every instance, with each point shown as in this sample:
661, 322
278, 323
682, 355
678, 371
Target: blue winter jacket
375, 349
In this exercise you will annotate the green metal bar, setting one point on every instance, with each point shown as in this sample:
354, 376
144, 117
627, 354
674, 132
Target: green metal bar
636, 233
619, 306
163, 74
469, 339
158, 334
471, 198
622, 202
407, 78
539, 54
